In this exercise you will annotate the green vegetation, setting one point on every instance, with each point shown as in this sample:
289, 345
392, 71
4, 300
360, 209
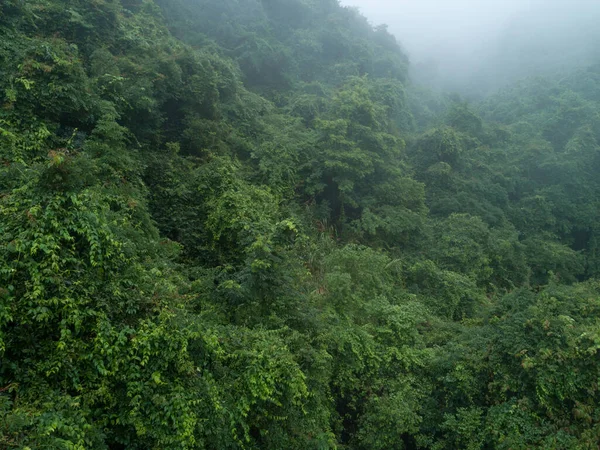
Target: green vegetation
236, 224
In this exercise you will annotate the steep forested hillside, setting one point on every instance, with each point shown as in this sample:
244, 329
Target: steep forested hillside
238, 224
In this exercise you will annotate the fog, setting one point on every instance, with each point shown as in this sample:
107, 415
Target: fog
476, 46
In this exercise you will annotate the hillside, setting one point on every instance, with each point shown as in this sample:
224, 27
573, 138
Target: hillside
239, 224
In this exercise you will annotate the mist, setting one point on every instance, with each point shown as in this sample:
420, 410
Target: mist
477, 46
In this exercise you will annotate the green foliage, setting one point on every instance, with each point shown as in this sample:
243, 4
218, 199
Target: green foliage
376, 347
535, 377
280, 43
235, 224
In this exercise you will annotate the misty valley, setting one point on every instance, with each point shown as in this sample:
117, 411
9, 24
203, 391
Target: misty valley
268, 224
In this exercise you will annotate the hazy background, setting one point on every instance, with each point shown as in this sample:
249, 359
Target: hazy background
476, 46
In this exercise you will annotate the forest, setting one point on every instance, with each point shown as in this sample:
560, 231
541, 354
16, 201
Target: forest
241, 224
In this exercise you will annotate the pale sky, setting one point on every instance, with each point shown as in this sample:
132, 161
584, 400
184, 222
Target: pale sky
424, 25
459, 35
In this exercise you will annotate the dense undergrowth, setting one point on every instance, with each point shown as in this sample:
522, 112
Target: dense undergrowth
237, 224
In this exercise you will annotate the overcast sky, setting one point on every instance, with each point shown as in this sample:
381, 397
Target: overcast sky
460, 34
423, 26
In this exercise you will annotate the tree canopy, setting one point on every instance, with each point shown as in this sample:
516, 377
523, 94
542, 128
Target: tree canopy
239, 224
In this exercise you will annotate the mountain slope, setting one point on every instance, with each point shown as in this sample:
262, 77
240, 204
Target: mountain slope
237, 224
